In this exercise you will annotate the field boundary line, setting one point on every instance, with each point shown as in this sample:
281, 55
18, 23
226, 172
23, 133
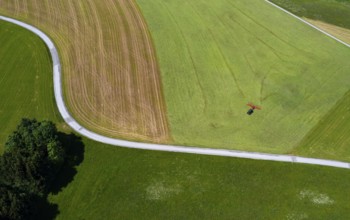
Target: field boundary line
308, 23
57, 79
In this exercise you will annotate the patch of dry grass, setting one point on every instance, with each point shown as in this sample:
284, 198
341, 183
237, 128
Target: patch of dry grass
110, 73
339, 32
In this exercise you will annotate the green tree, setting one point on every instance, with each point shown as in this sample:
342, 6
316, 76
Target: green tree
56, 154
14, 204
33, 155
29, 172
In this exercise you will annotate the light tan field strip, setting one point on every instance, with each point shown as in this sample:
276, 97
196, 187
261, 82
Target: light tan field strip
339, 32
110, 74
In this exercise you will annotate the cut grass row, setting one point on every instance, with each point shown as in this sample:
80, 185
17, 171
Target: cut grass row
215, 56
330, 138
117, 183
110, 75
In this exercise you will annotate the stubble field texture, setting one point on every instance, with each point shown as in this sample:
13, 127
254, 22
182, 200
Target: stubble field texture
216, 56
110, 73
117, 183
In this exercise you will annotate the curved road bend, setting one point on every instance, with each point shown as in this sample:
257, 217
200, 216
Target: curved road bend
57, 79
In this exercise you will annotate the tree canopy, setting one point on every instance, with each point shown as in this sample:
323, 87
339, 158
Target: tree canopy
14, 204
33, 156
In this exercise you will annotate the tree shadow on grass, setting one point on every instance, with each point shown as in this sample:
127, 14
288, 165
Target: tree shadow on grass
74, 148
45, 209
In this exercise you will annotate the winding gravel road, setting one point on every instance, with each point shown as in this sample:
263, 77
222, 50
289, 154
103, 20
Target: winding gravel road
158, 147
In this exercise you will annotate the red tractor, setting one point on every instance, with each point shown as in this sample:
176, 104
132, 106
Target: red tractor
252, 108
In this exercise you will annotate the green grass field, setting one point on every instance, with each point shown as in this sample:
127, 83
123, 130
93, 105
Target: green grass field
215, 56
117, 183
26, 79
334, 128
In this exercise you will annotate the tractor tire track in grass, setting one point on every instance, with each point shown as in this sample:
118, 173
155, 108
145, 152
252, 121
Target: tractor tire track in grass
220, 52
193, 63
263, 27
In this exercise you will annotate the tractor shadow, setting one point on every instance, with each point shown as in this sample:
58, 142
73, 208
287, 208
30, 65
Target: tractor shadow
74, 148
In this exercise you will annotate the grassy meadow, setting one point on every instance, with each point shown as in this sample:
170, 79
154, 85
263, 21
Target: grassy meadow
330, 137
118, 183
26, 79
216, 56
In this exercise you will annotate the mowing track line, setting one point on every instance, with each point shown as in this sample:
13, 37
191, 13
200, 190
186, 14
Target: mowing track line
57, 79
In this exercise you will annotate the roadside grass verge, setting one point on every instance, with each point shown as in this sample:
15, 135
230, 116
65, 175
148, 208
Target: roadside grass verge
119, 183
216, 56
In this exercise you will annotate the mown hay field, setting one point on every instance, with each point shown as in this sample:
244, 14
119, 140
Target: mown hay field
111, 78
216, 56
